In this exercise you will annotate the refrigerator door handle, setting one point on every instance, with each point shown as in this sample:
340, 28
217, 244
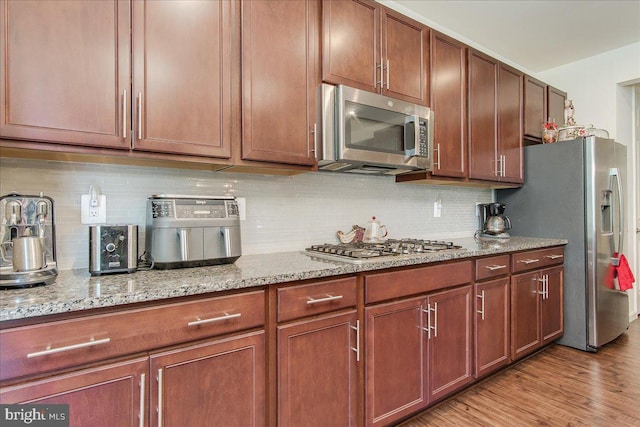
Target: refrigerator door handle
615, 173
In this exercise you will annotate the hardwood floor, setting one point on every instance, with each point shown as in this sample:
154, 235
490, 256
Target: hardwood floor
559, 386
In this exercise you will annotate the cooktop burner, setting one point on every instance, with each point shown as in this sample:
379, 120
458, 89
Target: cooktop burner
360, 251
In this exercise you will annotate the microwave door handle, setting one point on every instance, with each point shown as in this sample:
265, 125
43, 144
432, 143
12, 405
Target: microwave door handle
411, 124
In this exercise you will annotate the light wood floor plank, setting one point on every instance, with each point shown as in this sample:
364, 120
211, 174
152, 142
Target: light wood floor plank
559, 386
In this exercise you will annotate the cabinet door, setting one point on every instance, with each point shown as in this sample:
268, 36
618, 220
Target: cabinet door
280, 78
449, 105
350, 43
405, 56
222, 382
395, 358
491, 326
182, 76
552, 304
535, 107
525, 314
510, 124
450, 342
64, 72
483, 138
555, 102
110, 395
317, 372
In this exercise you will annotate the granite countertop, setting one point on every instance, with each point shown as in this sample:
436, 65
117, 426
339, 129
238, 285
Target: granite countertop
77, 290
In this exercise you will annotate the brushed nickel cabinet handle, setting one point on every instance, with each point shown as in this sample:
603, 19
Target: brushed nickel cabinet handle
503, 166
437, 150
554, 256
142, 388
529, 261
92, 342
435, 320
357, 347
387, 74
139, 116
226, 316
124, 114
315, 140
495, 267
329, 297
481, 296
159, 409
381, 76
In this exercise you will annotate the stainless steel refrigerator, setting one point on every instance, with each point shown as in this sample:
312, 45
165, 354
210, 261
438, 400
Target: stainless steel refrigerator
574, 190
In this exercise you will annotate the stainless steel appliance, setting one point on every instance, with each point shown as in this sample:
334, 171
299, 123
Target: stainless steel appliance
191, 231
493, 224
113, 249
574, 190
368, 133
27, 241
359, 252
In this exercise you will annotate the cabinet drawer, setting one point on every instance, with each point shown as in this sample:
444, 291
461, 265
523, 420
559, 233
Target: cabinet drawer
536, 259
316, 298
492, 267
395, 284
49, 346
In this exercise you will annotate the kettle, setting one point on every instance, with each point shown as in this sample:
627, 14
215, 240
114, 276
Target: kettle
375, 232
497, 224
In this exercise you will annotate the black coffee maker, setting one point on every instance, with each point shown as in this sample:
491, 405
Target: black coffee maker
492, 221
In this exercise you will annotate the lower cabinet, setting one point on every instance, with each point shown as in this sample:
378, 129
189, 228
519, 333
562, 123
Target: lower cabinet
491, 326
215, 383
536, 310
108, 395
417, 351
318, 372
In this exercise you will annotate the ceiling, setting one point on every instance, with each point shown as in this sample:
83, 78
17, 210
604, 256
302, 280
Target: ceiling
537, 35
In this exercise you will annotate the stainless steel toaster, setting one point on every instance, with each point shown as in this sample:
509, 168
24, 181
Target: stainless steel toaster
113, 249
192, 231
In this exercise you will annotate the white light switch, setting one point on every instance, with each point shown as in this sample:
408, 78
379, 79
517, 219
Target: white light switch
437, 209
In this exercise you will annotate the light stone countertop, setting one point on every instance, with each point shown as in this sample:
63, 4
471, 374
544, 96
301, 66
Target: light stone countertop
77, 290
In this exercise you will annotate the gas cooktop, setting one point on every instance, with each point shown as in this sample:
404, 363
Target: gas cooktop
360, 252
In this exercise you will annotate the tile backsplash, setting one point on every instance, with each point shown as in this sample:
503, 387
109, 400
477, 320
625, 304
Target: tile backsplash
283, 213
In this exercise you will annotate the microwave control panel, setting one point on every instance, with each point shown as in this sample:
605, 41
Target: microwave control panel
423, 142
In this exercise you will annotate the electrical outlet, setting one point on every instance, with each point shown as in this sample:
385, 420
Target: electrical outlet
437, 209
93, 214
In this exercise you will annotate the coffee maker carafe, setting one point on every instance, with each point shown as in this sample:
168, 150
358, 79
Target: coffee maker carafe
492, 221
27, 241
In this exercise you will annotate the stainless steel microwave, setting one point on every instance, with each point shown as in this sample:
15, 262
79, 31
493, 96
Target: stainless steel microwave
367, 133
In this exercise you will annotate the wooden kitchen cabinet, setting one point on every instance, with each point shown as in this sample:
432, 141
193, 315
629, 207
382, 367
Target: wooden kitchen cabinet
318, 371
374, 48
555, 104
535, 107
537, 298
449, 105
318, 352
64, 72
510, 151
483, 111
417, 349
109, 395
492, 314
395, 361
495, 125
217, 383
280, 80
182, 74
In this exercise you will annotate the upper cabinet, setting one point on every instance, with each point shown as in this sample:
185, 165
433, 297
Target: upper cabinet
371, 47
64, 72
555, 104
182, 77
535, 107
495, 124
449, 105
280, 78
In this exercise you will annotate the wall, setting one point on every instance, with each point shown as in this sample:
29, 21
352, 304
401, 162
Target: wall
283, 213
592, 84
